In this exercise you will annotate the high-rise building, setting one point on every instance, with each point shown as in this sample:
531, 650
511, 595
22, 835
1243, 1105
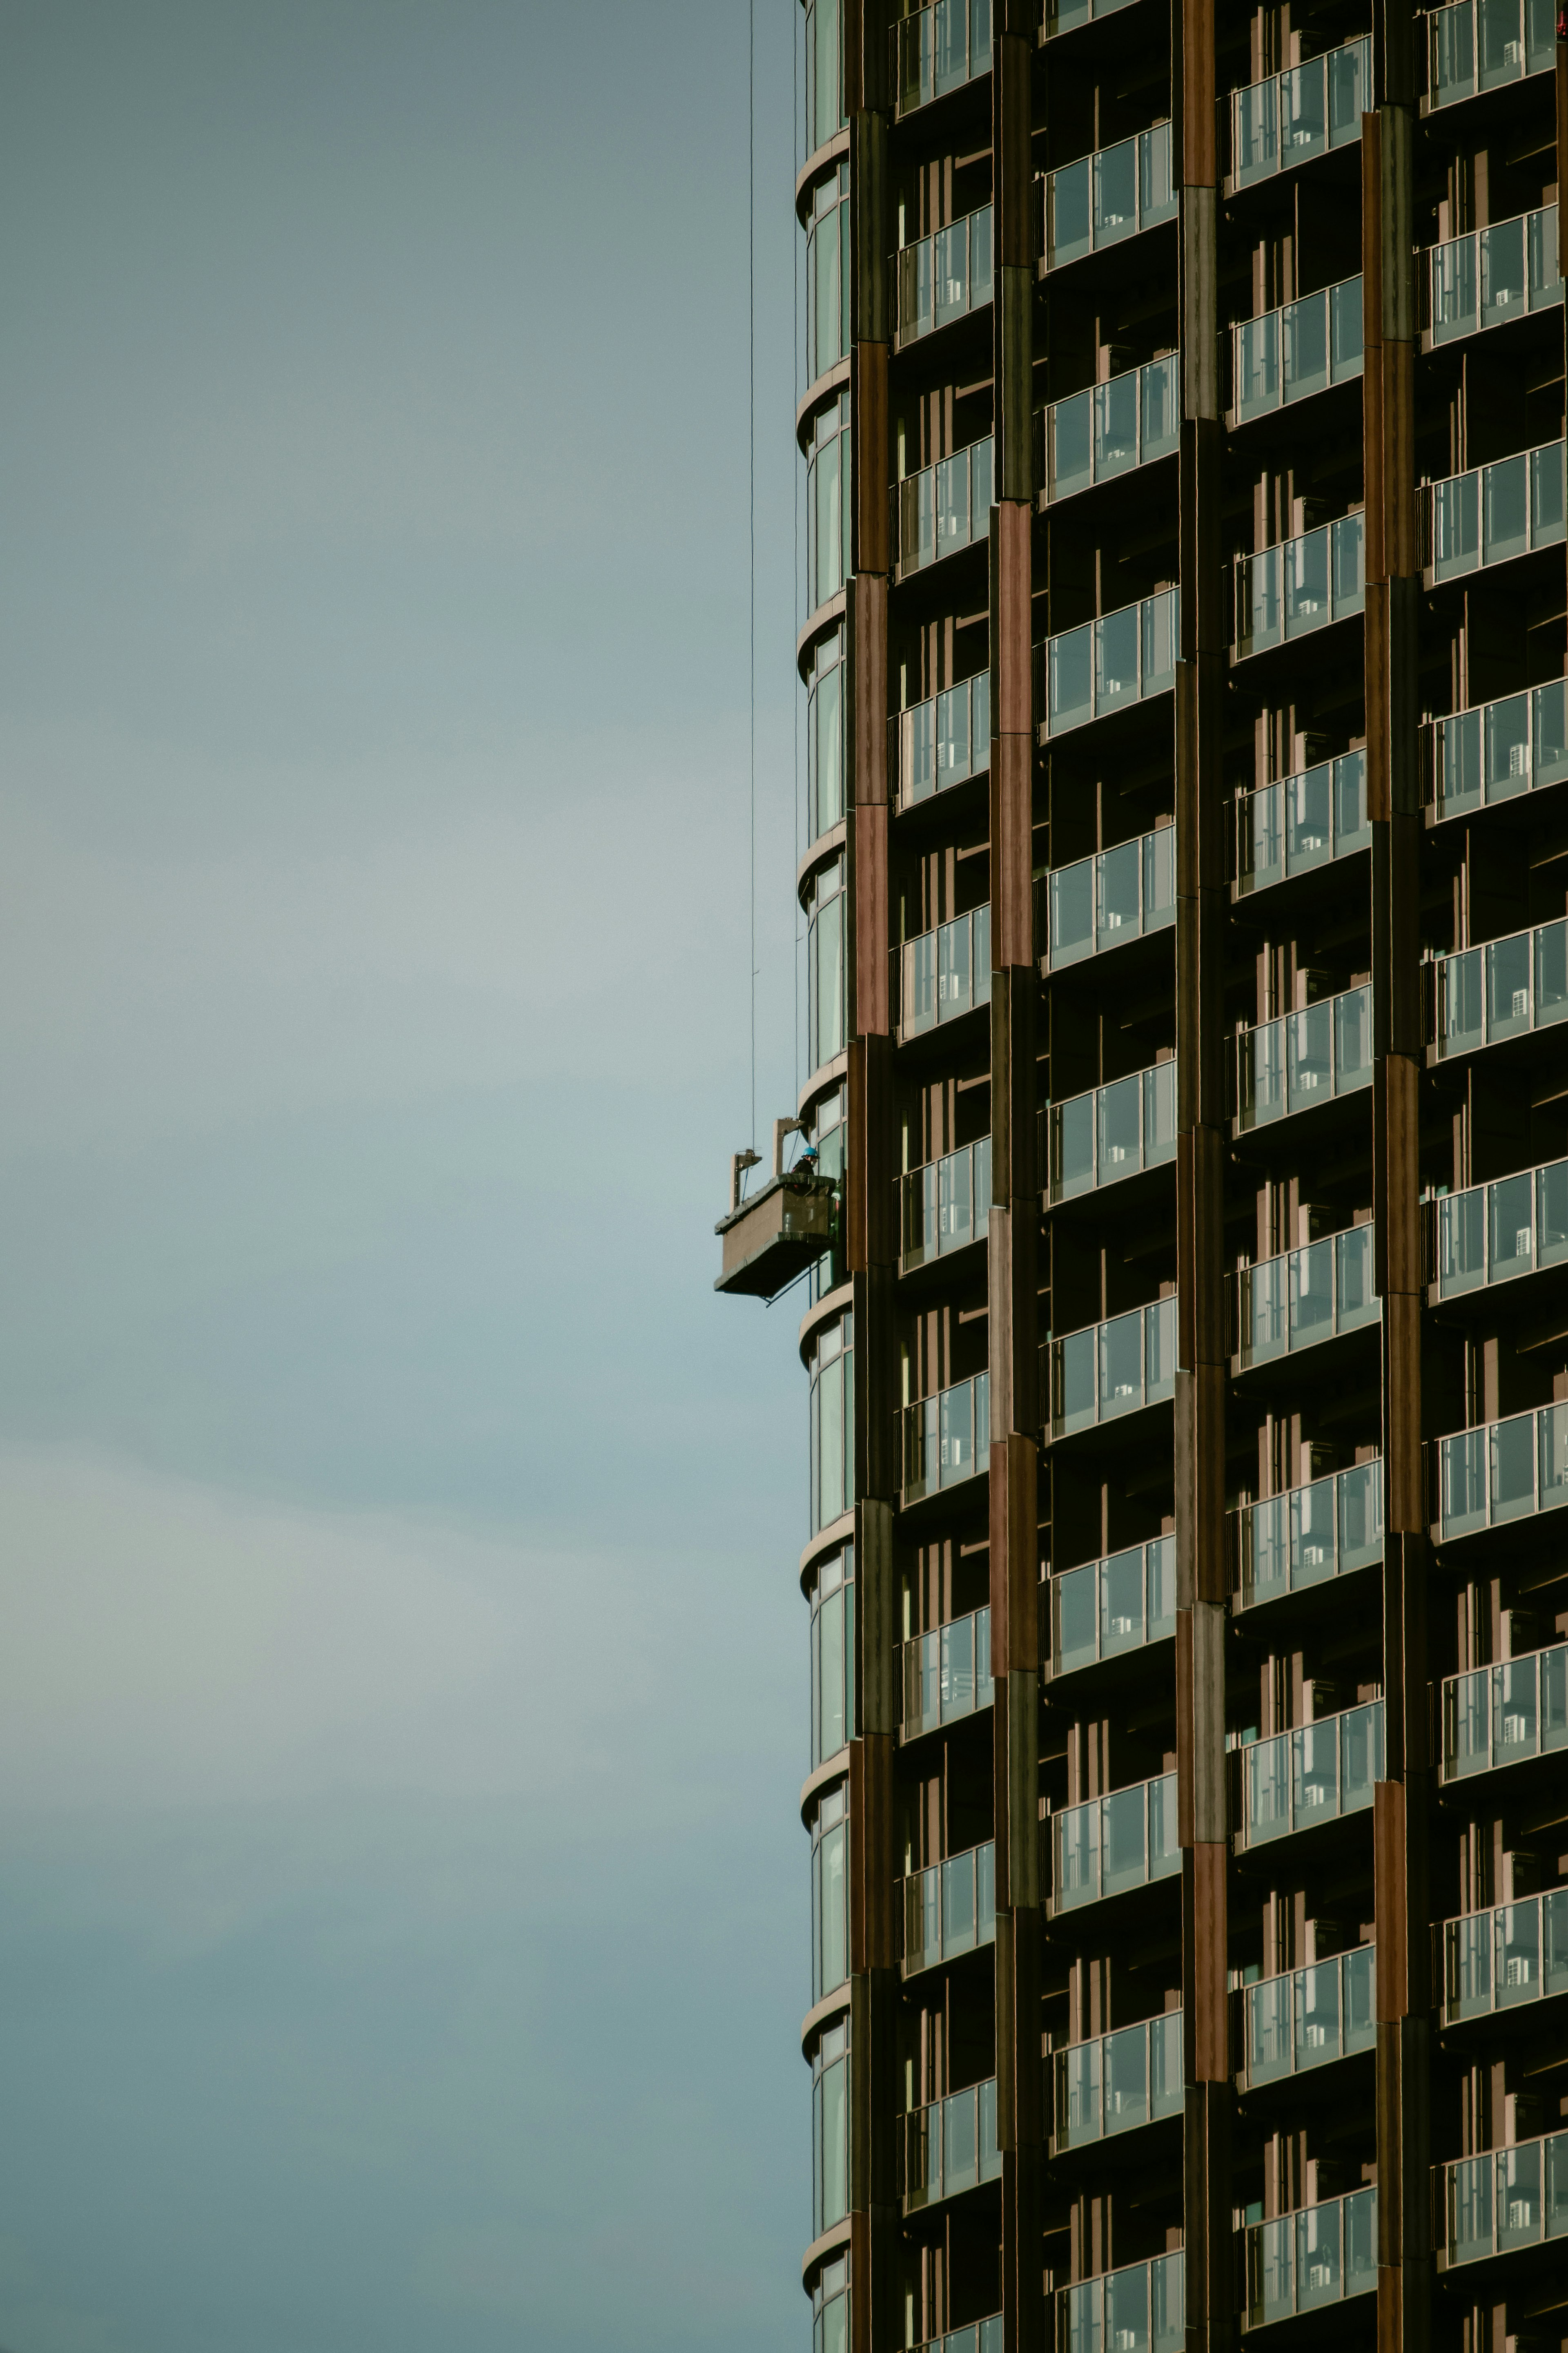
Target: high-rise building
1187, 1319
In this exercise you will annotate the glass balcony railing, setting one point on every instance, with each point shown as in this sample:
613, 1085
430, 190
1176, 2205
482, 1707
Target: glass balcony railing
981, 2336
1503, 1471
1481, 44
947, 1672
1300, 586
944, 973
944, 740
950, 1909
1140, 2309
947, 1437
1112, 1368
1319, 2255
1302, 348
1511, 1953
1067, 15
1293, 116
944, 276
1118, 2082
944, 508
1503, 989
944, 1205
1108, 1606
1118, 895
1494, 513
1504, 1713
1303, 1059
1309, 1535
949, 2146
1302, 822
1309, 2016
1305, 1295
938, 48
1492, 276
1511, 2198
1490, 1234
1517, 744
1109, 1845
1110, 428
1112, 1132
1126, 656
1109, 196
1315, 1774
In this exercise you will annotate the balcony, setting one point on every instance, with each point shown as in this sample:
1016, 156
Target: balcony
1111, 1607
1504, 1715
1319, 2255
944, 276
1112, 899
1301, 823
1117, 2081
1512, 38
1492, 277
1304, 583
1067, 15
950, 1909
947, 1437
1308, 2018
1294, 116
1492, 513
1140, 2309
1317, 1774
1502, 990
1507, 2199
1304, 1059
943, 741
1125, 658
938, 48
1506, 1957
1111, 1133
981, 2336
1504, 1471
1110, 1846
943, 508
946, 1673
949, 2146
1112, 1368
1517, 744
944, 974
1309, 1535
944, 1205
1493, 1233
1108, 197
1111, 429
1288, 353
1303, 1296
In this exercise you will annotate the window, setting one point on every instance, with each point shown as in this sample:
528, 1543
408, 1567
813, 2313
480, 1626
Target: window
830, 2129
827, 277
833, 1655
825, 734
824, 72
830, 2309
827, 502
830, 1893
826, 1012
833, 1421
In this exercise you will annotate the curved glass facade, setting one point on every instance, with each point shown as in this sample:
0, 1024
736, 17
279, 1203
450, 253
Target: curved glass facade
826, 969
832, 1655
830, 2309
829, 505
825, 734
830, 1892
830, 2129
825, 112
832, 1367
827, 275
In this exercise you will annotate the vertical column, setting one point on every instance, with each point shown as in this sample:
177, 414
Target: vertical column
1393, 594
1014, 1213
1202, 1142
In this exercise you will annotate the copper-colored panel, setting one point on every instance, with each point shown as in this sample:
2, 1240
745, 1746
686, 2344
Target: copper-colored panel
1015, 1555
871, 457
1012, 877
866, 604
1011, 582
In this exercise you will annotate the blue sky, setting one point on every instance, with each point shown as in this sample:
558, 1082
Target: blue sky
402, 1697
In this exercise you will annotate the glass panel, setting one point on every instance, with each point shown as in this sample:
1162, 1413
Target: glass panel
1071, 912
1458, 756
1116, 426
1120, 1126
1116, 660
1256, 348
1121, 1623
1120, 1364
1348, 79
1306, 339
1453, 52
1126, 2079
1118, 912
1309, 1055
1077, 2108
1075, 1378
1455, 513
1454, 307
1070, 445
1502, 272
1070, 660
1546, 495
1470, 2210
1159, 394
1518, 2196
1127, 2310
1346, 329
1501, 55
1123, 1832
1115, 192
1507, 740
1159, 877
1068, 212
957, 1669
1254, 131
1269, 2052
1308, 818
1352, 1040
1505, 510
1076, 1833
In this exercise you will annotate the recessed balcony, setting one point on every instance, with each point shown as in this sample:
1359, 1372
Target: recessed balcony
1110, 430
1110, 1134
943, 508
1108, 197
946, 1675
942, 741
1516, 745
1110, 1846
1509, 2200
1319, 2255
950, 1909
1308, 2017
980, 2335
1479, 45
1319, 1773
1287, 355
1303, 1297
944, 1205
1108, 900
1292, 117
943, 277
938, 48
1141, 2309
1505, 1958
1303, 585
1500, 1472
1308, 1536
1304, 1060
1116, 2083
949, 2146
1492, 277
1300, 823
947, 1437
1111, 1369
1109, 1608
1505, 990
1492, 513
1067, 15
943, 974
1494, 1233
1124, 658
1505, 1714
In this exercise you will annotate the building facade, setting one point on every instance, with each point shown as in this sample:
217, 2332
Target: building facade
1187, 1319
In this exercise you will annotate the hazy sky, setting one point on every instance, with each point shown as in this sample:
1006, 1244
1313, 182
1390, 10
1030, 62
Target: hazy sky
403, 1906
